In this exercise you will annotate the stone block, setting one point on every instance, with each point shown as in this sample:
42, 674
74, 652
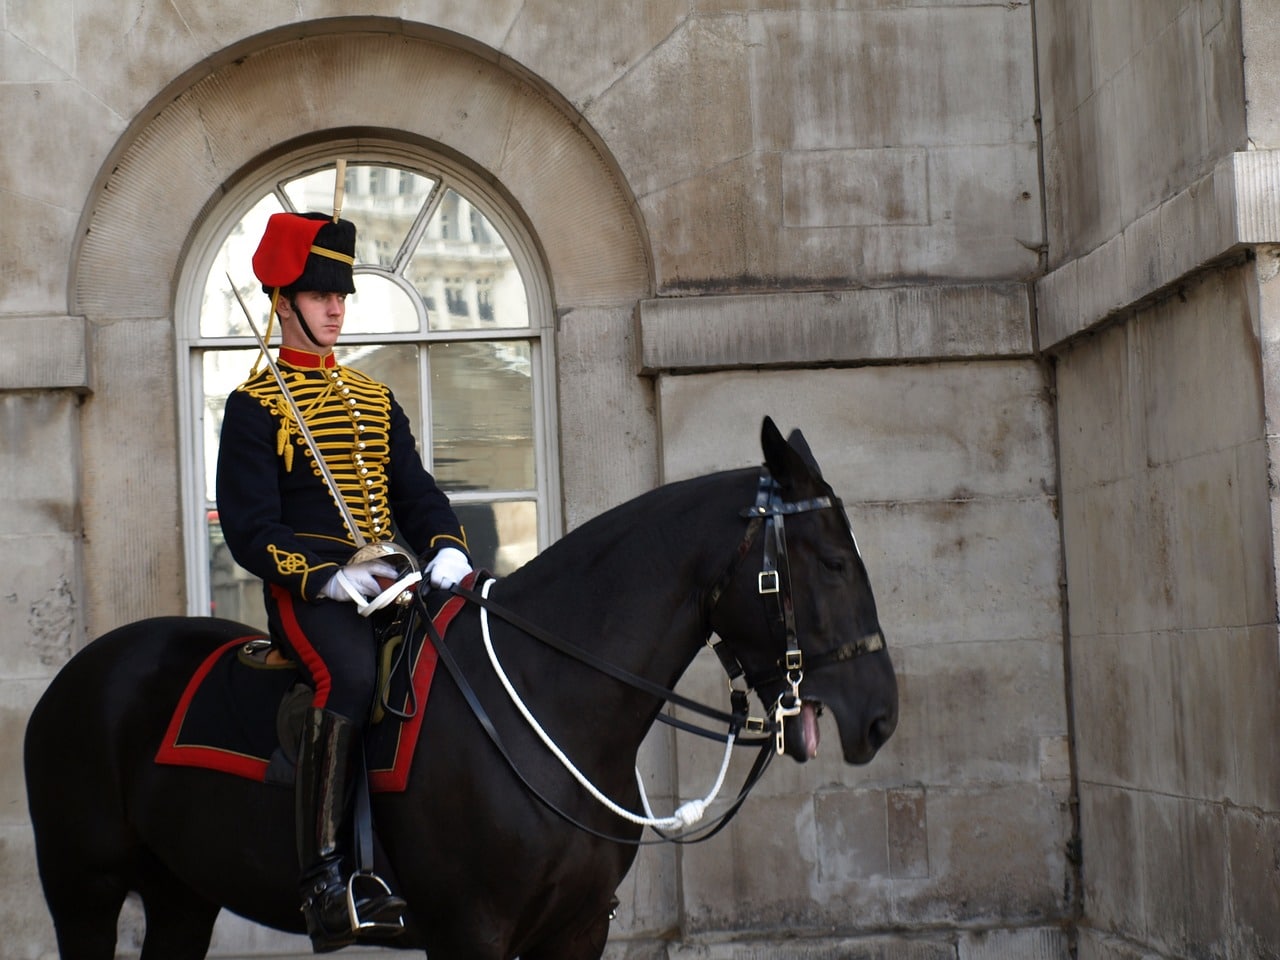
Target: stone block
34, 263
608, 442
1057, 299
1129, 747
847, 188
1100, 422
852, 841
695, 68
129, 471
38, 475
762, 873
1082, 185
907, 830
860, 948
17, 699
128, 51
962, 570
720, 232
1066, 66
1249, 681
974, 712
1207, 563
1254, 850
40, 605
1128, 533
37, 353
649, 898
38, 166
1259, 32
1199, 376
894, 435
1114, 883
996, 856
1034, 944
1200, 704
1096, 945
1186, 874
1102, 275
1254, 490
987, 191
1160, 96
836, 79
26, 929
787, 330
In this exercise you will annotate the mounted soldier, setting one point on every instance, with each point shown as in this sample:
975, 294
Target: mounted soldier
318, 473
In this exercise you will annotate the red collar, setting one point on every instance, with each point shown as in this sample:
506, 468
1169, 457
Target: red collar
307, 360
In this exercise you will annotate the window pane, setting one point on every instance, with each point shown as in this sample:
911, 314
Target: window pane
379, 305
383, 203
482, 415
224, 370
465, 271
234, 593
220, 315
313, 192
502, 536
396, 365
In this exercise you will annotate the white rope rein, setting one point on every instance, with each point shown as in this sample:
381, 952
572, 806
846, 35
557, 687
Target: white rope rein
685, 815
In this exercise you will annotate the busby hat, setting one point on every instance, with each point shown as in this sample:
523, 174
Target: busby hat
306, 251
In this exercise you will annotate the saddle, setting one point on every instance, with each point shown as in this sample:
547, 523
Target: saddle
241, 711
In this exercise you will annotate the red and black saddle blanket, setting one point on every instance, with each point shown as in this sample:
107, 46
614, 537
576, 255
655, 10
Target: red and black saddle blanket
241, 711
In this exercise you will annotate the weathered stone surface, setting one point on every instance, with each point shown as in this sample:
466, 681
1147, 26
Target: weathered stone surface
783, 330
607, 437
866, 175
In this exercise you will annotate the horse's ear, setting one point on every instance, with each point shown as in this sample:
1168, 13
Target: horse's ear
790, 461
801, 446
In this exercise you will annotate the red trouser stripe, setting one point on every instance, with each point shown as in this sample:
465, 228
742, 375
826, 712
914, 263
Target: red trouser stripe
302, 646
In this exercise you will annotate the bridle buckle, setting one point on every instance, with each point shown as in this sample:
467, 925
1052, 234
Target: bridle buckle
768, 582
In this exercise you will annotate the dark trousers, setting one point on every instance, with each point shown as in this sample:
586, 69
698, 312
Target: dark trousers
335, 646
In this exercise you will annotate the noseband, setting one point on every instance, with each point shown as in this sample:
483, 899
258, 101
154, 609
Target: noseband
773, 583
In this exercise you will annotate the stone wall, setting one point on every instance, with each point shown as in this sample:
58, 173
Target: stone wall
1168, 535
830, 213
1160, 186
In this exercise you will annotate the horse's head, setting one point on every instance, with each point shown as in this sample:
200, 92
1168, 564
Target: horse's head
799, 613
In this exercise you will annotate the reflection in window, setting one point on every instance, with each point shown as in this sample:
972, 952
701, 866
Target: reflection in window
423, 243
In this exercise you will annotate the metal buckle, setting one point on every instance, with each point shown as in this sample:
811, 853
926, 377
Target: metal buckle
793, 660
768, 582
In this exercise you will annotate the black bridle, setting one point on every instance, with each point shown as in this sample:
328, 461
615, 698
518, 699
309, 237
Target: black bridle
774, 580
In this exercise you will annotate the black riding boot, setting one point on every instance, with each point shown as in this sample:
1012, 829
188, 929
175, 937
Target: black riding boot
328, 763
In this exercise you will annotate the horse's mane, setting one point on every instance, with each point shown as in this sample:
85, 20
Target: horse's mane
638, 521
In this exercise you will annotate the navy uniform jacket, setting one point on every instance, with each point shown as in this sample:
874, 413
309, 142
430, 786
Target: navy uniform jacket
278, 516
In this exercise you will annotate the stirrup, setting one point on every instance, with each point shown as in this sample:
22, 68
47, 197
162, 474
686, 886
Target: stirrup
372, 927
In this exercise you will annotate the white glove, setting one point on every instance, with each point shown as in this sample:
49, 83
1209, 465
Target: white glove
355, 581
446, 568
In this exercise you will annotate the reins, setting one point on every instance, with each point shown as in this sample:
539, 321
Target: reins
773, 581
447, 658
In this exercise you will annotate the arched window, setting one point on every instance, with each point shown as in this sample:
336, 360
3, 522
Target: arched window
451, 311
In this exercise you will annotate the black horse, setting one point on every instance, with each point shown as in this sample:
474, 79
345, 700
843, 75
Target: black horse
489, 870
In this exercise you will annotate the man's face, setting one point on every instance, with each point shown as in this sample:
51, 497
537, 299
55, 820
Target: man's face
324, 313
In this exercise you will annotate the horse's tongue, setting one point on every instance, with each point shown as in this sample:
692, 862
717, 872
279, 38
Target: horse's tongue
809, 720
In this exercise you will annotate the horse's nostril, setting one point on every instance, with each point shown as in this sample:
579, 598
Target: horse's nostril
882, 729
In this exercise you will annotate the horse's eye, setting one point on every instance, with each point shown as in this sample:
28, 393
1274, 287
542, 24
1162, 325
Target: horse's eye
834, 564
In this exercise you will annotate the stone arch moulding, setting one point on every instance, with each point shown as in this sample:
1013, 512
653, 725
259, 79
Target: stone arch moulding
181, 155
222, 118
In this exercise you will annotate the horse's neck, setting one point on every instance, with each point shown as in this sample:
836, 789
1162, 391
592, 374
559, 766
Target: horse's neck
630, 586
